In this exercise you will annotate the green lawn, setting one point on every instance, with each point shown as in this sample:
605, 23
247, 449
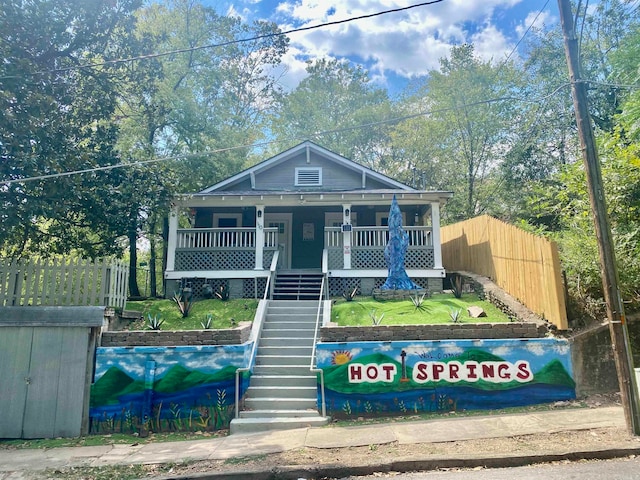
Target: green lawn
240, 310
435, 309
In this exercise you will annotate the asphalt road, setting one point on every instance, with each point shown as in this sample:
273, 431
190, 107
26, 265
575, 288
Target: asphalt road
618, 469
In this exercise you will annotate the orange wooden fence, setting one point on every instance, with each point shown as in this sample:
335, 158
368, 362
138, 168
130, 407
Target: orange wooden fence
524, 265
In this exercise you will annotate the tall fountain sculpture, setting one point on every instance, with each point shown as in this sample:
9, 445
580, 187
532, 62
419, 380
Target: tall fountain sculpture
395, 251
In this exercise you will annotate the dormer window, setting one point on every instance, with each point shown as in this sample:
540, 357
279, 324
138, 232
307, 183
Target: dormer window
308, 177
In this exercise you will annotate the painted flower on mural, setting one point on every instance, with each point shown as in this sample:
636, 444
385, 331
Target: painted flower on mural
340, 357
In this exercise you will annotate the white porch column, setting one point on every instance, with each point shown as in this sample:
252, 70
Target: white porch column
173, 238
259, 236
437, 246
346, 236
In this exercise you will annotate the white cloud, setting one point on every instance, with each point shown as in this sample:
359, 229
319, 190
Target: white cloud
355, 352
563, 348
536, 20
536, 348
418, 349
491, 45
452, 348
501, 351
409, 43
323, 355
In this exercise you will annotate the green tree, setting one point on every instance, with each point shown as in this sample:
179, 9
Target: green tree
202, 99
56, 117
467, 125
546, 139
330, 106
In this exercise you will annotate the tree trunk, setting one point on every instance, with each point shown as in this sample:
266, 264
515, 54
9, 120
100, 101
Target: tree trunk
152, 259
134, 291
165, 250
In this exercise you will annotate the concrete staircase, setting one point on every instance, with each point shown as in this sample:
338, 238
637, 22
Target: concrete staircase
283, 392
297, 285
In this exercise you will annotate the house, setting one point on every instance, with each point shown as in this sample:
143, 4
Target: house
306, 210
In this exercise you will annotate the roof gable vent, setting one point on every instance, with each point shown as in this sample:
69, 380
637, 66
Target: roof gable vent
308, 177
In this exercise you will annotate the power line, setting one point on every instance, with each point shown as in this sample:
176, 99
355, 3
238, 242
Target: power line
526, 32
223, 44
266, 143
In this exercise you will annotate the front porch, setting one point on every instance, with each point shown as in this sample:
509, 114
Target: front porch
302, 237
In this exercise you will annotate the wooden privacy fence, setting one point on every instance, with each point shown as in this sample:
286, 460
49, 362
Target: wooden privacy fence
63, 281
524, 265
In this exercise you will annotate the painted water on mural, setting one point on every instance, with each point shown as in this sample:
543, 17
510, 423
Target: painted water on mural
363, 378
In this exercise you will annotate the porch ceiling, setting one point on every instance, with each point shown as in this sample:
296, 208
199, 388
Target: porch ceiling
297, 199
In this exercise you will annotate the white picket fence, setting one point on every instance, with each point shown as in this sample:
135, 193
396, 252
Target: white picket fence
63, 281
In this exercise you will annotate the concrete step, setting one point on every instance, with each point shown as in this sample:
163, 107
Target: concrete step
275, 324
251, 425
288, 305
306, 341
280, 360
286, 351
295, 295
277, 403
311, 413
291, 317
287, 333
282, 392
301, 369
309, 380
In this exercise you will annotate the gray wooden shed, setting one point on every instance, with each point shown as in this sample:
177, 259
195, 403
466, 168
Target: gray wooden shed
46, 365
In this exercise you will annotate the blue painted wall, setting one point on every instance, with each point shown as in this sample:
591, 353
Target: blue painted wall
138, 389
370, 378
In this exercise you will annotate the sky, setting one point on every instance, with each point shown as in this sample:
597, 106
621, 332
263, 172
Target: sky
395, 47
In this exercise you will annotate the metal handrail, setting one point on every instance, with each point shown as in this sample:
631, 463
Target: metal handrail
312, 367
256, 332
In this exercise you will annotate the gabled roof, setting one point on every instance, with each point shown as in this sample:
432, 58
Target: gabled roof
306, 146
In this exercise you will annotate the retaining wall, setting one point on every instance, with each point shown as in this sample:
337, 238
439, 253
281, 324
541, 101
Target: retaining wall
142, 389
231, 336
383, 333
410, 377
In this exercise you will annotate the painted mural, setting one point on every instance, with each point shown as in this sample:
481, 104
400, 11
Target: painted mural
371, 378
143, 389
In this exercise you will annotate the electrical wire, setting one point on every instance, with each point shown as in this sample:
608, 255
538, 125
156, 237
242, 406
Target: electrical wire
266, 143
223, 44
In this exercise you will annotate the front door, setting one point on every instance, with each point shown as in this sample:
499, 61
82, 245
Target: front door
281, 221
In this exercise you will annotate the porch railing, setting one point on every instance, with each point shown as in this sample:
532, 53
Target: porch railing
376, 236
224, 238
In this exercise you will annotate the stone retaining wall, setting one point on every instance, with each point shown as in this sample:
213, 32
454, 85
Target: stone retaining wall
232, 336
512, 308
432, 332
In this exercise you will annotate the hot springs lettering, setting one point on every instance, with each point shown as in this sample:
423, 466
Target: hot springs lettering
454, 371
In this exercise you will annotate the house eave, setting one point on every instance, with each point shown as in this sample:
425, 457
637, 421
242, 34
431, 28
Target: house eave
297, 199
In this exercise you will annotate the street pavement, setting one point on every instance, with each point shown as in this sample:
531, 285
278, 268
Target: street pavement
16, 464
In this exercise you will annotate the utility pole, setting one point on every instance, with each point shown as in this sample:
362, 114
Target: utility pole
608, 269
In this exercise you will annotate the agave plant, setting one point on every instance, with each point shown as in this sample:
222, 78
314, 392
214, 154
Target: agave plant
456, 315
457, 285
349, 295
206, 325
375, 319
184, 300
223, 292
154, 322
418, 301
